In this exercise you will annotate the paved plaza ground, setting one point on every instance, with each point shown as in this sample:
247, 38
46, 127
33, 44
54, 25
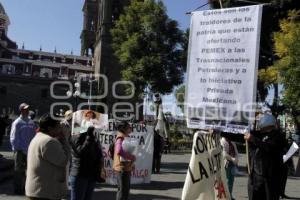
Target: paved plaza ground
166, 185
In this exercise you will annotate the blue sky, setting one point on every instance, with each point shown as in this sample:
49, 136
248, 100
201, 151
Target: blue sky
58, 23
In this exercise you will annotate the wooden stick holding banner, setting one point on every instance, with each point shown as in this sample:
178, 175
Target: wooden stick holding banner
247, 149
221, 6
247, 154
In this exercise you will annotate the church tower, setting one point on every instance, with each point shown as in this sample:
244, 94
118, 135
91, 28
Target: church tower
90, 21
5, 42
4, 20
105, 63
104, 60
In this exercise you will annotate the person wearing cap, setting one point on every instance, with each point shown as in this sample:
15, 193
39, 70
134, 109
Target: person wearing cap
22, 132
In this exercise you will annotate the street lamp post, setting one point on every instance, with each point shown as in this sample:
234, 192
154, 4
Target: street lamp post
91, 80
157, 102
75, 94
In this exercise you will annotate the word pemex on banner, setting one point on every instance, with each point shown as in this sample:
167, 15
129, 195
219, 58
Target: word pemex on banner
222, 68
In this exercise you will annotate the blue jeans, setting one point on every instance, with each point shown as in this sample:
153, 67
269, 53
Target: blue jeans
230, 174
81, 188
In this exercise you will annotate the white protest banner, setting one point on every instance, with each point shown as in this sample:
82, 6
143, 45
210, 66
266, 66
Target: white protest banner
143, 164
222, 68
206, 179
82, 119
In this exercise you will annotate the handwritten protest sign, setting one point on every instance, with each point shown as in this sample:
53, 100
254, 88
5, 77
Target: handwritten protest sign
143, 164
205, 179
106, 131
222, 68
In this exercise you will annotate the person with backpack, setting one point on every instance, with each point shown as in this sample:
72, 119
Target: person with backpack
123, 162
87, 162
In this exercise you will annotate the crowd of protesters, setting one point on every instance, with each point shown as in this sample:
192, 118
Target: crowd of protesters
48, 158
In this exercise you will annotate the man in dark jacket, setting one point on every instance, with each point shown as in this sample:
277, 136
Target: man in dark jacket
266, 149
265, 159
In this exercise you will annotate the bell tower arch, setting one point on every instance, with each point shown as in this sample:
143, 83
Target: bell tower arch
90, 21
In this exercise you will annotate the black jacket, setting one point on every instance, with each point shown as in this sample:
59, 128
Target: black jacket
266, 163
87, 156
265, 152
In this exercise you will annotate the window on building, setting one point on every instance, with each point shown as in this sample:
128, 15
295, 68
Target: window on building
36, 73
44, 93
8, 69
15, 57
46, 73
30, 56
27, 68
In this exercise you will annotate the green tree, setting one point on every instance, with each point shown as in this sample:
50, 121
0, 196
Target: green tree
185, 46
287, 48
148, 45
